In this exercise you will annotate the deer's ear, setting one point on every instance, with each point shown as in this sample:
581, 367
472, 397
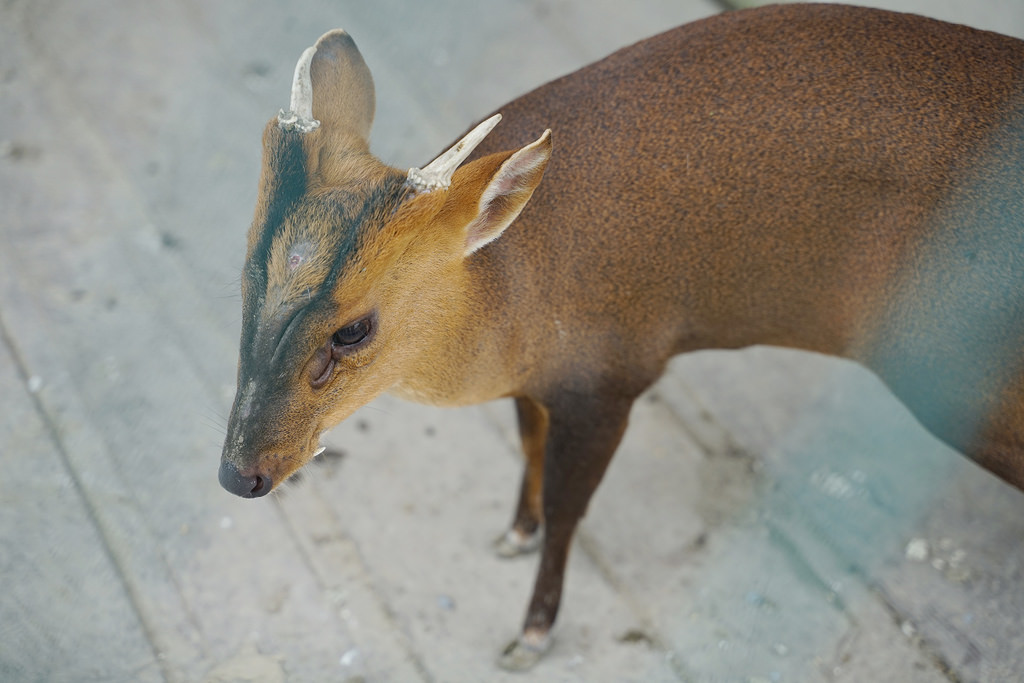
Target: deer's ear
342, 87
499, 186
333, 87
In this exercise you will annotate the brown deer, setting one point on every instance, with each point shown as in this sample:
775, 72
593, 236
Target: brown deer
840, 180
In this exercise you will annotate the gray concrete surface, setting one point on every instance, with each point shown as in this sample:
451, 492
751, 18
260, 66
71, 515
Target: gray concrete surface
772, 516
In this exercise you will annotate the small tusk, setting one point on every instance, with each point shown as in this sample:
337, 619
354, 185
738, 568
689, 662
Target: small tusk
319, 451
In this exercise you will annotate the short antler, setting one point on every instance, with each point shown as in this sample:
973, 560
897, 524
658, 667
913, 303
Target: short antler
299, 116
437, 175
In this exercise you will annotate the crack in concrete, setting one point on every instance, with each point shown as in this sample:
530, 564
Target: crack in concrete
53, 433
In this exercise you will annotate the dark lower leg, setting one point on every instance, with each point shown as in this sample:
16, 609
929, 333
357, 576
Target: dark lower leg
533, 428
582, 437
529, 517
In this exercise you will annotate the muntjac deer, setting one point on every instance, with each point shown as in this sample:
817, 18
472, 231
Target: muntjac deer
840, 180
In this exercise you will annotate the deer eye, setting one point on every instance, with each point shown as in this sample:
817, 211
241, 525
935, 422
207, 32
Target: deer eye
349, 336
343, 342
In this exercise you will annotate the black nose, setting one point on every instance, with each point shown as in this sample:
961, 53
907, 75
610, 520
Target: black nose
237, 483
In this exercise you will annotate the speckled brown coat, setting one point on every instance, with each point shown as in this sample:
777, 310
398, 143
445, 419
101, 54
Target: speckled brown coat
817, 177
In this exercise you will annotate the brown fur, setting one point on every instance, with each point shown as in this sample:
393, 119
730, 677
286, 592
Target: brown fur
834, 179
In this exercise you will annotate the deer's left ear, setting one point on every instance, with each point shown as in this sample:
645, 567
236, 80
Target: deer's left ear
505, 191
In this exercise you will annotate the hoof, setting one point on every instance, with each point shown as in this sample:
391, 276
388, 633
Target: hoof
514, 542
523, 652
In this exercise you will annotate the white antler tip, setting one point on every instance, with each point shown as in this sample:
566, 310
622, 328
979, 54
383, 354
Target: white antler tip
299, 116
438, 173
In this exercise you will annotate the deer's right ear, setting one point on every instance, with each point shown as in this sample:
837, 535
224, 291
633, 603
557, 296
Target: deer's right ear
498, 187
332, 88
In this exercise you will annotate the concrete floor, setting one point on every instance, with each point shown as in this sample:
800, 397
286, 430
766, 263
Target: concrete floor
772, 516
